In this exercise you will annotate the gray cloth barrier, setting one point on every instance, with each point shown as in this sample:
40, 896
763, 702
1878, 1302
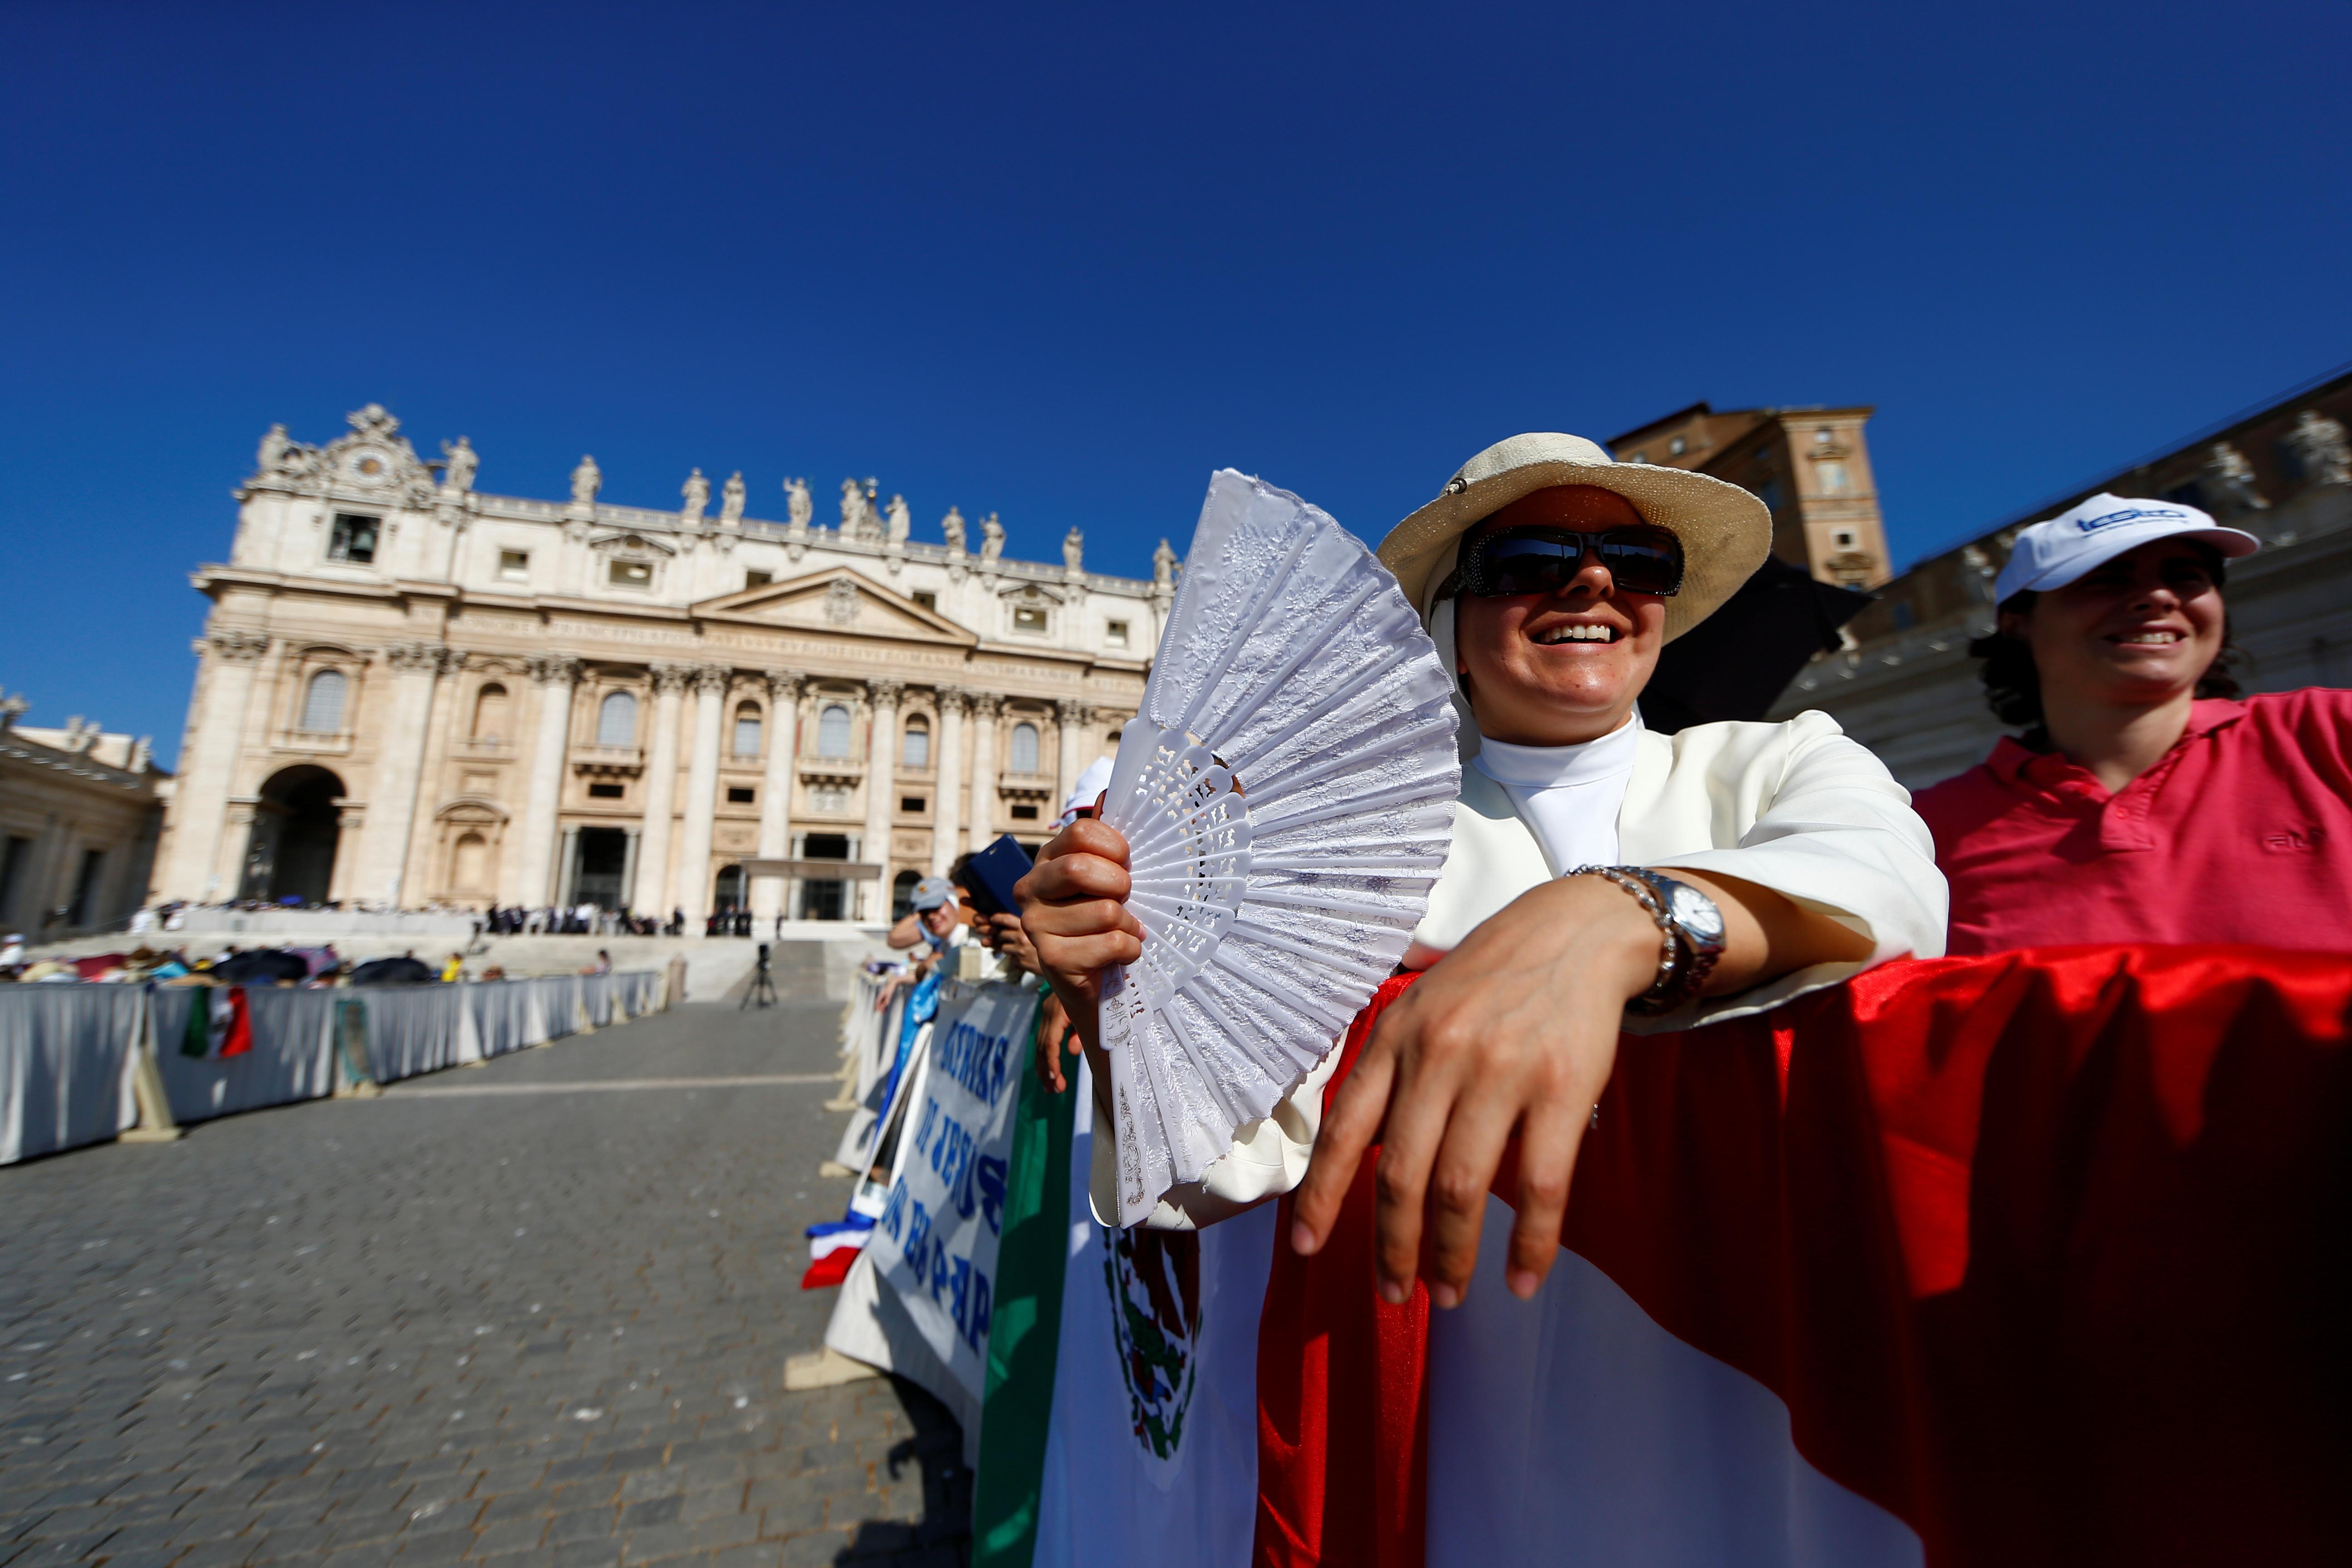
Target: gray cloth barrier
65, 1065
414, 1030
293, 1054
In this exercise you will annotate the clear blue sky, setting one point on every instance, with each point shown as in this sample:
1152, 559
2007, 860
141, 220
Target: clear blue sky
1061, 265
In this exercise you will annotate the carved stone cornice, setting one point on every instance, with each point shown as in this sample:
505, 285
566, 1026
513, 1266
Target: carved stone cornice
1074, 712
552, 669
428, 658
955, 699
712, 679
885, 693
670, 676
785, 685
986, 705
243, 647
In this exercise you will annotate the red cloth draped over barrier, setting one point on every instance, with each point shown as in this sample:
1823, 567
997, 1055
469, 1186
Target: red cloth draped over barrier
2046, 1252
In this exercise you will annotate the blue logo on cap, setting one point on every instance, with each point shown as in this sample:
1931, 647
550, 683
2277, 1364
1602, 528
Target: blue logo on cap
2128, 514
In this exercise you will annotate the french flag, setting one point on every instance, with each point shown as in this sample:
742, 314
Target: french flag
834, 1246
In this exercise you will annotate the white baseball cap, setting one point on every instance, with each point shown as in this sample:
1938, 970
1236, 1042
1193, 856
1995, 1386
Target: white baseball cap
2053, 554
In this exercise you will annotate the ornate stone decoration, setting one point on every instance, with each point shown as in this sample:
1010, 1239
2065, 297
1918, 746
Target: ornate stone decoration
2227, 481
986, 706
459, 465
10, 708
586, 480
2317, 445
711, 680
901, 521
841, 602
884, 692
952, 529
730, 500
670, 676
784, 687
1074, 552
426, 658
798, 508
953, 700
1164, 566
243, 646
696, 491
992, 539
1071, 711
552, 669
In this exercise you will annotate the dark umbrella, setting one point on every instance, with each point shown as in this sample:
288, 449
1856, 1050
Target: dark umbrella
392, 972
262, 967
1736, 663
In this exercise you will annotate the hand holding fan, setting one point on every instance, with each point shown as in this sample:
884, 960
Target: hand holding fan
1287, 794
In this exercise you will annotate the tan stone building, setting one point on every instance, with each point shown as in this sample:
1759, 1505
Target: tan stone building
79, 812
1810, 466
412, 691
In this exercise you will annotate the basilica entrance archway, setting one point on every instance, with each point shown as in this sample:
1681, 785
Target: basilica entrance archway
296, 828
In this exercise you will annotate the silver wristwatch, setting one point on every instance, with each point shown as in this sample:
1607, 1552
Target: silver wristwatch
1690, 929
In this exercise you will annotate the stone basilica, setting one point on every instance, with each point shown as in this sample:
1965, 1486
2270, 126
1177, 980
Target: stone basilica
411, 692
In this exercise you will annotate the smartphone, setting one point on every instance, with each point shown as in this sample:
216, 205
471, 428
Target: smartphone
990, 873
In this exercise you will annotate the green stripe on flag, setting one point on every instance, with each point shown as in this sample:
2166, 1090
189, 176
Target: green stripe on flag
1024, 1335
196, 1039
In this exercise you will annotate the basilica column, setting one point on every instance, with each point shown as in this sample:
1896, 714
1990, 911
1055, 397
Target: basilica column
948, 766
555, 675
710, 683
770, 894
984, 709
416, 667
881, 785
1076, 721
200, 803
651, 894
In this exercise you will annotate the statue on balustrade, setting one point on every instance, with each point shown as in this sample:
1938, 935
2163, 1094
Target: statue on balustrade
1074, 551
2227, 481
586, 480
696, 491
1163, 566
730, 499
901, 523
2318, 448
952, 529
459, 475
798, 508
991, 538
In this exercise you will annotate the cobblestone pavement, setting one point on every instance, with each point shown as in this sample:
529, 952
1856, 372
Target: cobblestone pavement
522, 1328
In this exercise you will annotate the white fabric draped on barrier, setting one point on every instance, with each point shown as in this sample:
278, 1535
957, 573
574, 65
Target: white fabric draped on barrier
416, 1028
65, 1061
293, 1054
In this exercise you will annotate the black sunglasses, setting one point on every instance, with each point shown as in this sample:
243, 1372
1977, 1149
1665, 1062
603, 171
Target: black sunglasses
1535, 560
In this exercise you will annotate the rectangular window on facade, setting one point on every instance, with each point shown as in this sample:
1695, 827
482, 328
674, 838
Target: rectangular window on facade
1115, 634
1025, 814
758, 579
514, 565
84, 902
925, 598
353, 539
15, 857
605, 791
1029, 619
910, 803
630, 574
740, 795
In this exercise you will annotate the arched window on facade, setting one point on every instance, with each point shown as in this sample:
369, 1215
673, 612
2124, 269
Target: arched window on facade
490, 713
616, 720
916, 751
322, 703
1023, 759
470, 864
747, 730
902, 894
832, 732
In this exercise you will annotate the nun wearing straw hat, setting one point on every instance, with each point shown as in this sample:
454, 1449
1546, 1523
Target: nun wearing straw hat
1601, 876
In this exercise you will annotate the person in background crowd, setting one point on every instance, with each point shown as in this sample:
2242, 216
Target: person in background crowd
2146, 801
455, 969
603, 964
936, 921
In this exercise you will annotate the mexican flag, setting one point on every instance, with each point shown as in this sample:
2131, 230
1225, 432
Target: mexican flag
2038, 1258
219, 1021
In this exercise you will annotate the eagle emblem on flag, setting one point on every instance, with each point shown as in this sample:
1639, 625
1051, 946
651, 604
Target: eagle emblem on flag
1154, 1277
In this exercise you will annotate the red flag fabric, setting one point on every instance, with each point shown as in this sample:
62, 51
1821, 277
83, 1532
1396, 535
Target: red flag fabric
236, 1038
2046, 1252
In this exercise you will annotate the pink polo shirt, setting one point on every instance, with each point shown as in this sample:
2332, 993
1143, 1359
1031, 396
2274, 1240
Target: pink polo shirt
2242, 833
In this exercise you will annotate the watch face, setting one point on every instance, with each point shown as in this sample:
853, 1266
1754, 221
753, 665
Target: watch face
1695, 913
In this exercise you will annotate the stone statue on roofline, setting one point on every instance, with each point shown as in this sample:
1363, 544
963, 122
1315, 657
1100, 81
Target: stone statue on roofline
2227, 481
730, 499
991, 538
1074, 552
798, 508
462, 463
853, 508
273, 448
2321, 454
952, 529
696, 491
1163, 566
902, 523
586, 480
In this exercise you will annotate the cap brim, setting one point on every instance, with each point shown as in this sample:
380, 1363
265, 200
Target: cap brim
1725, 532
2234, 544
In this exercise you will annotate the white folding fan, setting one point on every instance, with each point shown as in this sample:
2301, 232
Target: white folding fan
1286, 792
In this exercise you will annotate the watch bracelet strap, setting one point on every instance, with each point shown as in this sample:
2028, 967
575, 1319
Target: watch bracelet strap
1679, 974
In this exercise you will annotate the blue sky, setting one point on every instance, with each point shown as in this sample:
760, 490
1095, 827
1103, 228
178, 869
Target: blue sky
1062, 263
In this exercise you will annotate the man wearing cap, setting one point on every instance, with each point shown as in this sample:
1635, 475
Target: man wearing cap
2145, 801
935, 920
1602, 878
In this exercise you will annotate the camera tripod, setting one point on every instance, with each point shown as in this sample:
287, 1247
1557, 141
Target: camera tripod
762, 992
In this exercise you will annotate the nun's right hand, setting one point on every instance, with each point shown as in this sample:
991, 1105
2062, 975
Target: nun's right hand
1072, 905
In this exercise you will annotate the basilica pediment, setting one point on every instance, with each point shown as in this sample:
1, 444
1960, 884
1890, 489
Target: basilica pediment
839, 601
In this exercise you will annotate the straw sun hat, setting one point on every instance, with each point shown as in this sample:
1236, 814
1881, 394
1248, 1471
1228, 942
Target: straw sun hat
1725, 532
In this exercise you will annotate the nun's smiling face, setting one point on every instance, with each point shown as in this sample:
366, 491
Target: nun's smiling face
1558, 669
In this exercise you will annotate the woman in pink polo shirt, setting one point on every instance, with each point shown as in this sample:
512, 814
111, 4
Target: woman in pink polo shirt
2146, 802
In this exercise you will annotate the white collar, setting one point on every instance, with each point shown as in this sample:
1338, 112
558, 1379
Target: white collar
1557, 767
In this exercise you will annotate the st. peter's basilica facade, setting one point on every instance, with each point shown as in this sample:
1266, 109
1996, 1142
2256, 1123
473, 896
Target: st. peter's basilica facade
411, 692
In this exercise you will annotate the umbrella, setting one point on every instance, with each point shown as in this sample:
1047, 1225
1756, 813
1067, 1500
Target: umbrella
263, 967
1736, 663
392, 972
